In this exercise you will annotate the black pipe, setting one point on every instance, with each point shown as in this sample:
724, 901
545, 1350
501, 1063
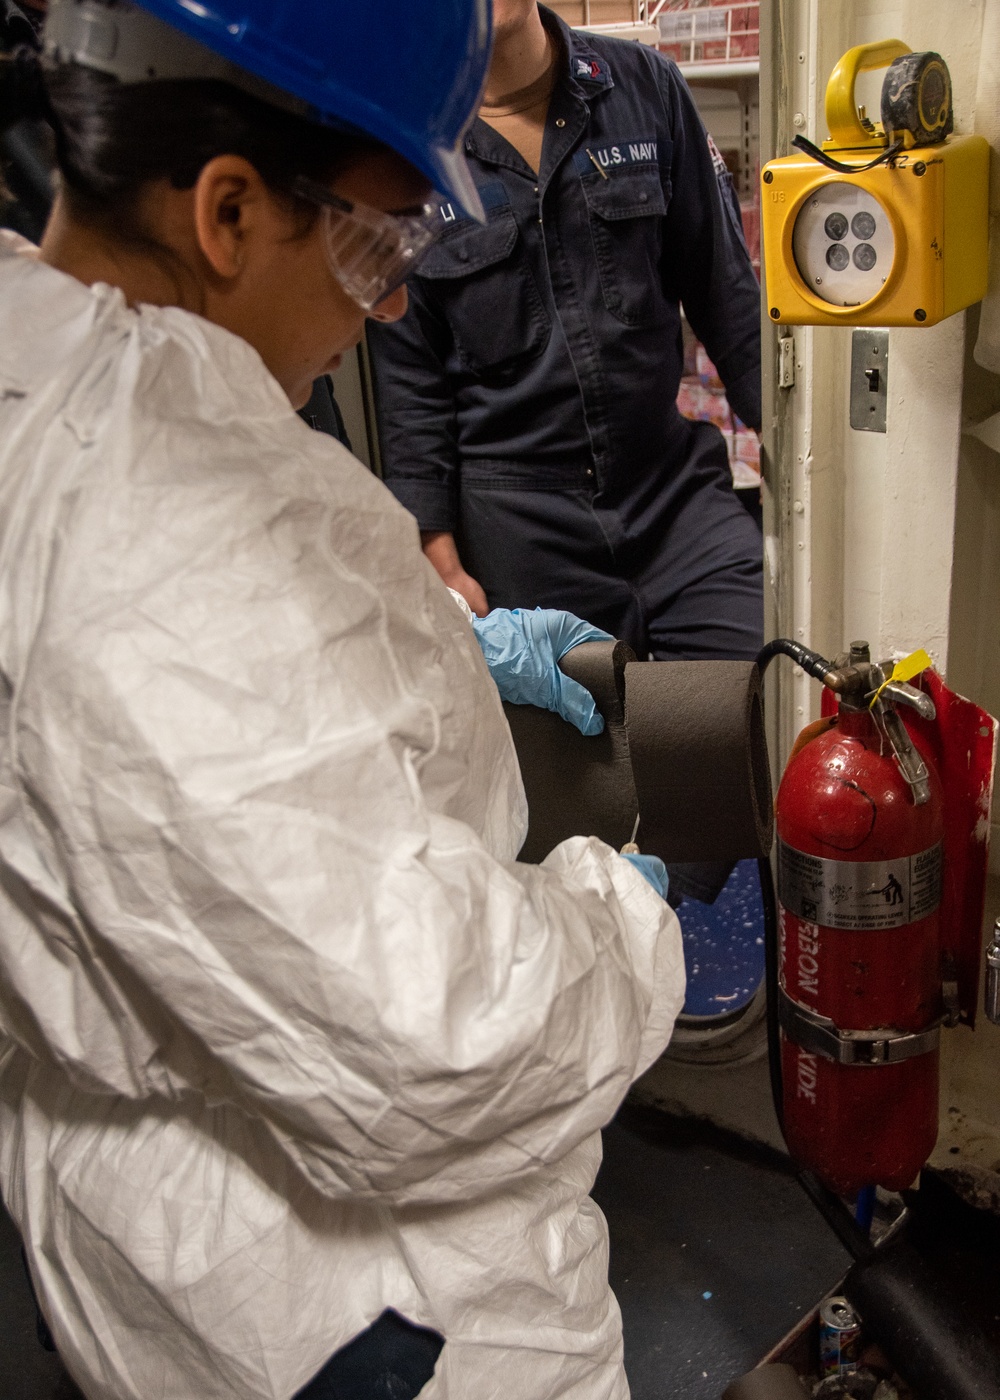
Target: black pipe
914, 1305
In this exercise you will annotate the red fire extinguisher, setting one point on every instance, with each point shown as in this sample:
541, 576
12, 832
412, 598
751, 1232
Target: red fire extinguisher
860, 828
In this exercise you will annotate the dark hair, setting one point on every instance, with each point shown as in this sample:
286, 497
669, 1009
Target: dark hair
112, 138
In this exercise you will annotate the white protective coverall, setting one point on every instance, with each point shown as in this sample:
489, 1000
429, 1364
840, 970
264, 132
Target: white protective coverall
288, 1036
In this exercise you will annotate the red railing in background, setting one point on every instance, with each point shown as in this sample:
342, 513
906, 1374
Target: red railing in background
702, 395
702, 398
708, 33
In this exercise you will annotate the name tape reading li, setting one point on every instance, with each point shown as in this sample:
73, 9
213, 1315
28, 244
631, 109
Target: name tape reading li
859, 895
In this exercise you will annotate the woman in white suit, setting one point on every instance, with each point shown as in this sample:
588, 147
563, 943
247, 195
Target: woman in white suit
301, 1072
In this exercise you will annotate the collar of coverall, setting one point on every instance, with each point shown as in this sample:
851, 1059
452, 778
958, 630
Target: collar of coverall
585, 69
586, 74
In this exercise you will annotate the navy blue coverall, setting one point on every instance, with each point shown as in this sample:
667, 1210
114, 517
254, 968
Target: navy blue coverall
527, 399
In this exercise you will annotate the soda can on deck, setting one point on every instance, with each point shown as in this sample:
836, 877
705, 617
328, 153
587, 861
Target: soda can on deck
839, 1338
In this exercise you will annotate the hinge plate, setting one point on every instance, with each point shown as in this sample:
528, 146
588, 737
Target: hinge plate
786, 362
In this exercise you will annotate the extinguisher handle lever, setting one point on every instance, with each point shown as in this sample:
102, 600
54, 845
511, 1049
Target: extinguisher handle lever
912, 766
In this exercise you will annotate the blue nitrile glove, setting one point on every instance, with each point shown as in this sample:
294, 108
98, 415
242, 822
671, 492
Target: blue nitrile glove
523, 650
652, 869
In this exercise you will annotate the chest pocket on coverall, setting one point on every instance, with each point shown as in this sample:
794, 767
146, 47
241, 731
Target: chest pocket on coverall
625, 212
488, 294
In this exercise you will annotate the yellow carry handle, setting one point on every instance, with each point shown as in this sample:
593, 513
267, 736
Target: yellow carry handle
841, 110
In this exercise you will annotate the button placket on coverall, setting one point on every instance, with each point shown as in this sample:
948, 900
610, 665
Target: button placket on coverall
527, 400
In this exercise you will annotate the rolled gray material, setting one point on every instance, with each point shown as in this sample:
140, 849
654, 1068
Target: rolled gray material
683, 746
699, 759
578, 786
775, 1381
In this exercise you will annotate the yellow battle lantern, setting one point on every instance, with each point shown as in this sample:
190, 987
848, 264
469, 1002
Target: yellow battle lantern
885, 225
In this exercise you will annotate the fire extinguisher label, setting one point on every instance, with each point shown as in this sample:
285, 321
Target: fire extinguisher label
859, 894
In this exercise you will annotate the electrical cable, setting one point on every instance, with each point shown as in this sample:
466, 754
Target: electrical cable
803, 144
771, 985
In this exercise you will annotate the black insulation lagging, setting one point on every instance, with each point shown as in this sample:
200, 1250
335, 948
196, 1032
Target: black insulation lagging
829, 1205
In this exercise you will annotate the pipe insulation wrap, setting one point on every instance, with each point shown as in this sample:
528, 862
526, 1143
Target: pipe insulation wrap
578, 786
699, 759
926, 1330
683, 747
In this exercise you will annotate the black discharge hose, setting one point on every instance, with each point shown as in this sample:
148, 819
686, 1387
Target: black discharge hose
811, 662
829, 1205
771, 987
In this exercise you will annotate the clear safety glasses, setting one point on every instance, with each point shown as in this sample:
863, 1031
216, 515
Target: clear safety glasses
370, 253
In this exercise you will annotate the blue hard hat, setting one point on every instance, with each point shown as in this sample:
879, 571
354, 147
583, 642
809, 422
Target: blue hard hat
408, 72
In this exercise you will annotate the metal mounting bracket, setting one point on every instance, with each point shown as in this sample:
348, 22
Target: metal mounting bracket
883, 1046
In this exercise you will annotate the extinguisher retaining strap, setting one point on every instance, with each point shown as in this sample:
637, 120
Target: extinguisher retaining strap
819, 1036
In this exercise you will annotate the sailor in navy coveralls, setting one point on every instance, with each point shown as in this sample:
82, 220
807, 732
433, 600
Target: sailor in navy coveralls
527, 401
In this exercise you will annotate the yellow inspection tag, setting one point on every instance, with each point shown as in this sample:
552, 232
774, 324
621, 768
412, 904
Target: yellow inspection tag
905, 670
911, 666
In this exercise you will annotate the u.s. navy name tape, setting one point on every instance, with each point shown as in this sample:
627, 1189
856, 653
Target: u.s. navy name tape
641, 150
